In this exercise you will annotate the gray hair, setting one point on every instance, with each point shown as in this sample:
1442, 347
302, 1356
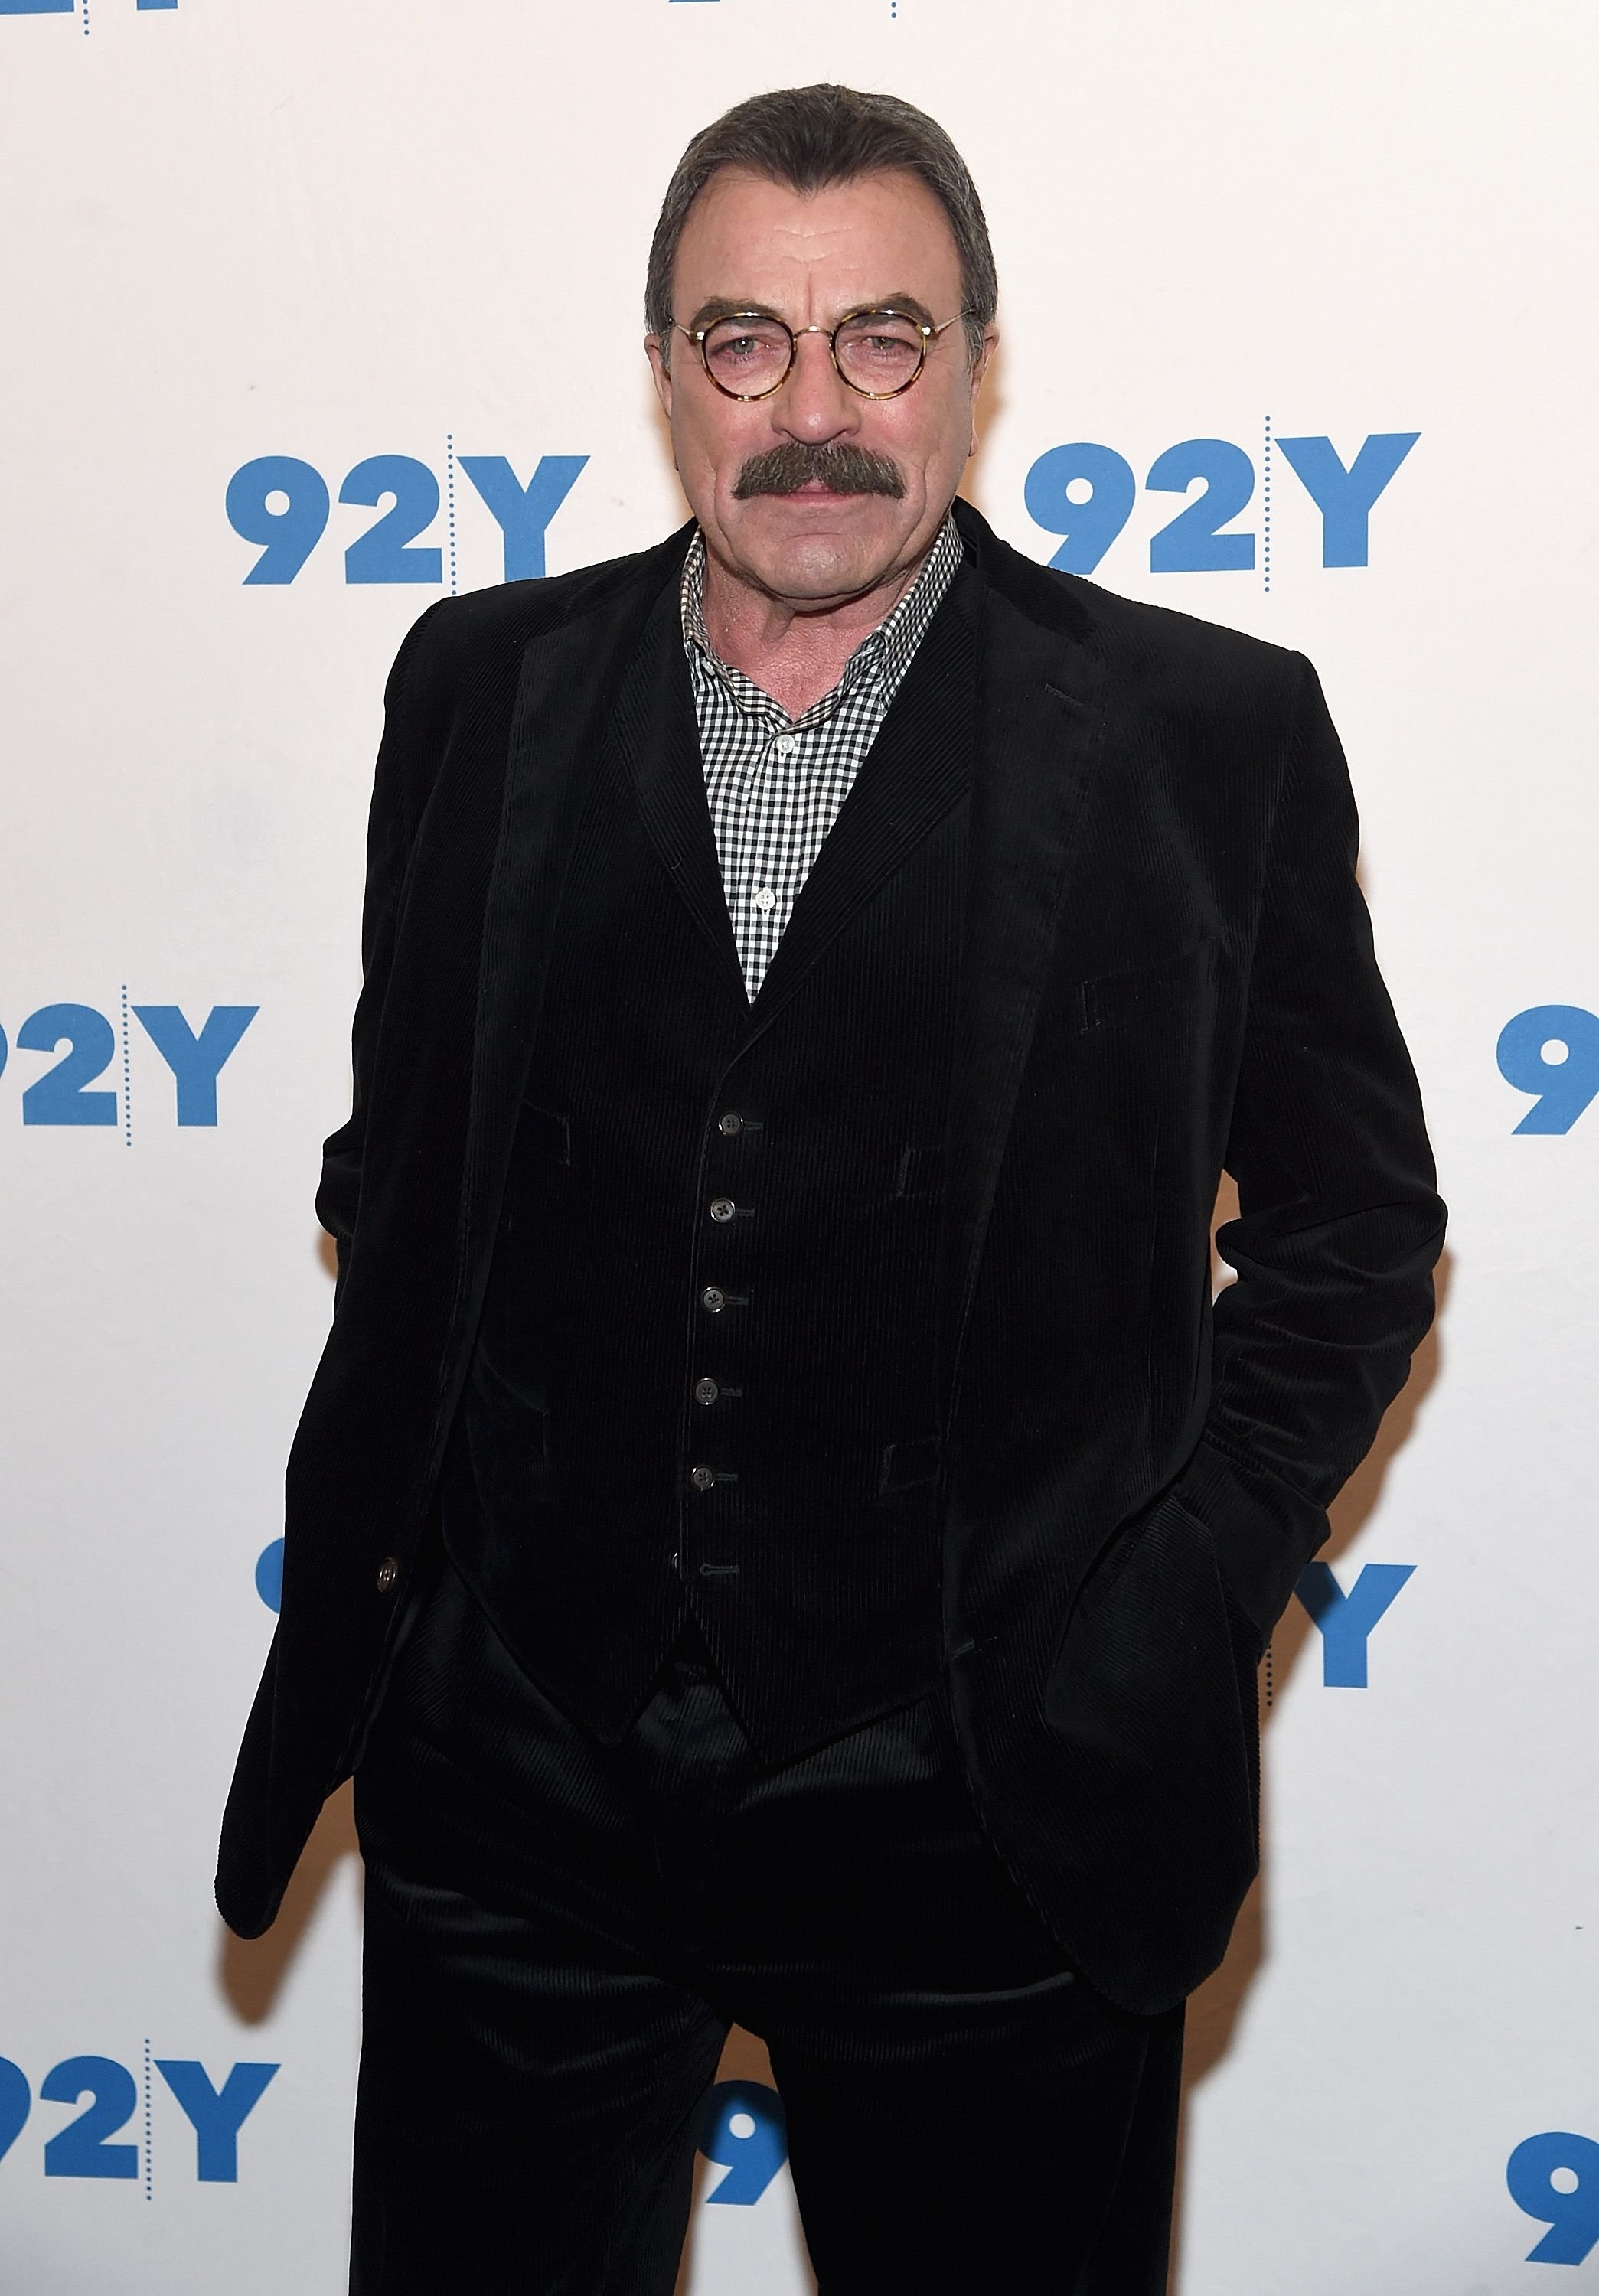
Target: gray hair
808, 137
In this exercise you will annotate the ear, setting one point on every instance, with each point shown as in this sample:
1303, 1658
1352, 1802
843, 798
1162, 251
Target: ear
979, 368
660, 372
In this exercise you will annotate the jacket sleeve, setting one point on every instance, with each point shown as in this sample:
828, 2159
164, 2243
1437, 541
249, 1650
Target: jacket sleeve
397, 801
1340, 1226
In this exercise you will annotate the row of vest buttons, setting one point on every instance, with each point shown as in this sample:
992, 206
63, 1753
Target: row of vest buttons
713, 1299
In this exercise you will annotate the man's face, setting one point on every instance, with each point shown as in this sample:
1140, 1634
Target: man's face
812, 259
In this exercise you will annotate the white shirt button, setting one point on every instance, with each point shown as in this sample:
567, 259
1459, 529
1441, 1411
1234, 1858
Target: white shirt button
785, 745
766, 900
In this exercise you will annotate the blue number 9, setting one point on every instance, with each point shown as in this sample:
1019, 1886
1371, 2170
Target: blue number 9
1573, 2216
289, 534
1092, 525
15, 2104
1563, 1086
746, 2133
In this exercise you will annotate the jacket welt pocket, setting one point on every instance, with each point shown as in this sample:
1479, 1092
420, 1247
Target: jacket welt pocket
1149, 987
921, 1173
908, 1466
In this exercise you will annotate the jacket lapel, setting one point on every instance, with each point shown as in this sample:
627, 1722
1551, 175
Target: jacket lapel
1041, 720
918, 767
565, 692
658, 735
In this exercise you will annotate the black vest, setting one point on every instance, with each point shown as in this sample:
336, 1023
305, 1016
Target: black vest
707, 1379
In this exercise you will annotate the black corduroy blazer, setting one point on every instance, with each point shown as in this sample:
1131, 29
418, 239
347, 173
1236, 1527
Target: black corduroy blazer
1167, 972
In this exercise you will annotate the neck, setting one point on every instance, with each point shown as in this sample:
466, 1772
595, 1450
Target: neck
794, 652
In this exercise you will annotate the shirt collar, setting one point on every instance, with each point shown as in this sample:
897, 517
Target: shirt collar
881, 658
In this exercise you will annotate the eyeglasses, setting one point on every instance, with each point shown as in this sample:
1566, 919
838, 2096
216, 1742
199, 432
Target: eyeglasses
748, 354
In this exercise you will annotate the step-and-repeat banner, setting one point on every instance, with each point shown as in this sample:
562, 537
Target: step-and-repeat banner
310, 314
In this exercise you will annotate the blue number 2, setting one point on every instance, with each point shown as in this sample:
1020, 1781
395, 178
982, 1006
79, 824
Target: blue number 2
1572, 2217
80, 2149
1563, 1086
381, 555
59, 1096
1190, 544
746, 2133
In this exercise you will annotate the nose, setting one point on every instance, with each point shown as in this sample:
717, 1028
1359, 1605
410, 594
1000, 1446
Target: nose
815, 403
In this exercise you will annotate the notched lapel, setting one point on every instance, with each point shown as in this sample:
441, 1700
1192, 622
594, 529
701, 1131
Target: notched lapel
1042, 719
658, 736
565, 691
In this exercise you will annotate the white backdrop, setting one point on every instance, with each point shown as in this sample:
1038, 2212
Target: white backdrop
326, 235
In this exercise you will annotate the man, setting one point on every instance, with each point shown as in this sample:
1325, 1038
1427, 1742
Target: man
778, 1531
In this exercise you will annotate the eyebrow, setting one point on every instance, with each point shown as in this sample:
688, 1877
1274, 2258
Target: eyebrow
731, 306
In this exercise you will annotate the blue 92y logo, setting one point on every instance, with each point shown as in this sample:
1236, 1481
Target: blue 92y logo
83, 2146
283, 504
1085, 493
84, 1042
1551, 1051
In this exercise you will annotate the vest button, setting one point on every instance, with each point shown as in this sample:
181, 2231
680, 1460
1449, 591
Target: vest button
706, 1391
713, 1299
729, 1125
389, 1571
703, 1479
722, 1209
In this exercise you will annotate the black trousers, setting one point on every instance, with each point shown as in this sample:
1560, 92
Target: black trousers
559, 1935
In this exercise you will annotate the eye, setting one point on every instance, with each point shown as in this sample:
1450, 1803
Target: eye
880, 350
743, 337
885, 326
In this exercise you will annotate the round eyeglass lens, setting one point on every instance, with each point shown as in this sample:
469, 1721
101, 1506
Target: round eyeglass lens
879, 352
748, 357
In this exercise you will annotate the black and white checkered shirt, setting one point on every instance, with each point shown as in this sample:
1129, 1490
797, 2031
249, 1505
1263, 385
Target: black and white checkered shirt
775, 783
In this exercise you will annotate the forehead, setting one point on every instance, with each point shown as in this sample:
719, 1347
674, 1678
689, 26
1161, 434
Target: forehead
877, 235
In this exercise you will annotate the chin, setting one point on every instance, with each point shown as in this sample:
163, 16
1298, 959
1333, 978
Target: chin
823, 565
823, 573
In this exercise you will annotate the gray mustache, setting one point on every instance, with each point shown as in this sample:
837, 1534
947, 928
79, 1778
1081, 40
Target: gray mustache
846, 470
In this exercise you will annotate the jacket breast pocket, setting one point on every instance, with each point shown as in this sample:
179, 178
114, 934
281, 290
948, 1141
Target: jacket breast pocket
1152, 993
